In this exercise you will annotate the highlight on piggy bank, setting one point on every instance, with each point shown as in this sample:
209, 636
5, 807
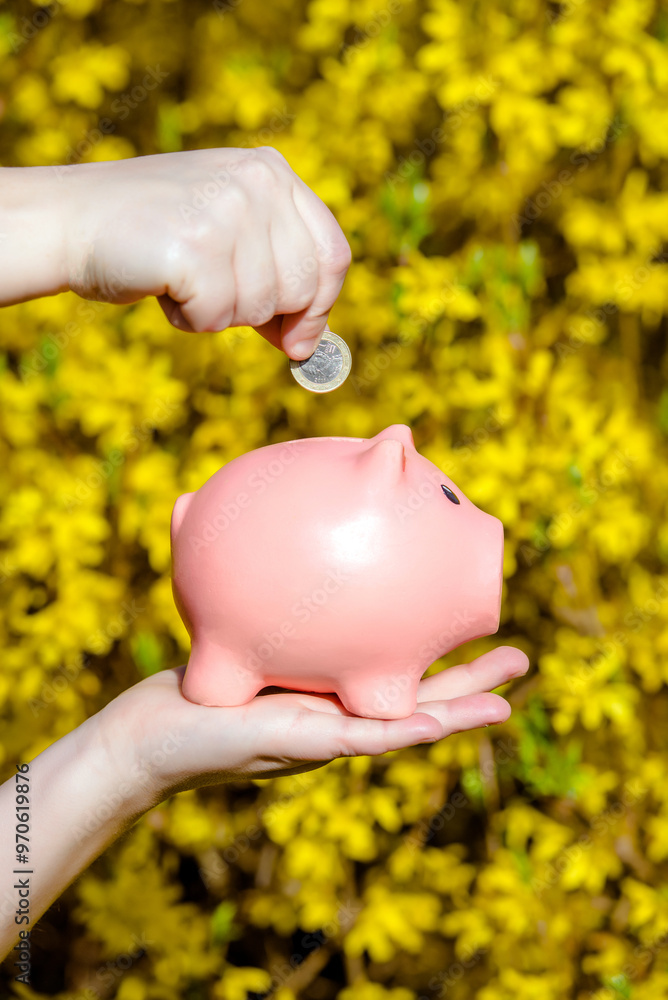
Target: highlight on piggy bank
333, 564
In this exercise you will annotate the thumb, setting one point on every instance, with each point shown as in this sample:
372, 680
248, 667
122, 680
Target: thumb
324, 737
301, 333
273, 331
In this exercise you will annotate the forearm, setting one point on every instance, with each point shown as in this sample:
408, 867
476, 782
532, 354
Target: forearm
33, 259
81, 799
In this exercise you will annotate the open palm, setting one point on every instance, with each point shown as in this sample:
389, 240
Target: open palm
184, 745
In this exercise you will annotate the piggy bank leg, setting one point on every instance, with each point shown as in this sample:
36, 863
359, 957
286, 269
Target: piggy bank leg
215, 677
392, 696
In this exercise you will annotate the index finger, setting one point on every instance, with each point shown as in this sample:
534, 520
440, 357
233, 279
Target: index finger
301, 332
486, 672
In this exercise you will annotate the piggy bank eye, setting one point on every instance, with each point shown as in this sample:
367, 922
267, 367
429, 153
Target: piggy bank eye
449, 494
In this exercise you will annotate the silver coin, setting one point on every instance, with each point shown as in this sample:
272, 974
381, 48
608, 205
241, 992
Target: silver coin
328, 366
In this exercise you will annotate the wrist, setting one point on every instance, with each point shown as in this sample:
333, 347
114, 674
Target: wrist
33, 254
80, 801
128, 785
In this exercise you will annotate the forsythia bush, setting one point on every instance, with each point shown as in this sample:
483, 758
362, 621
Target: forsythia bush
500, 170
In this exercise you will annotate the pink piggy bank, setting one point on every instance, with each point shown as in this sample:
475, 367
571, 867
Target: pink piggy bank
331, 564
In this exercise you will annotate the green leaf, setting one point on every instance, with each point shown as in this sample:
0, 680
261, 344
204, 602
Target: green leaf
223, 927
147, 653
471, 782
529, 268
620, 984
405, 200
544, 766
169, 129
663, 412
523, 865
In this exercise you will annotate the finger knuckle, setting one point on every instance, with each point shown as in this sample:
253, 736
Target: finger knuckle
275, 157
299, 301
299, 296
237, 200
263, 306
176, 259
337, 255
193, 238
470, 670
221, 321
260, 172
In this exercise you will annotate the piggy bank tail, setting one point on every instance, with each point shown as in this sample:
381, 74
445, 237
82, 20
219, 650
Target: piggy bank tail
215, 676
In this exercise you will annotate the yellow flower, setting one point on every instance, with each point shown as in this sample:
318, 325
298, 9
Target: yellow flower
83, 74
238, 980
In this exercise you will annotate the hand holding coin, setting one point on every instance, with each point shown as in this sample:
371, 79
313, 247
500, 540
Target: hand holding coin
327, 368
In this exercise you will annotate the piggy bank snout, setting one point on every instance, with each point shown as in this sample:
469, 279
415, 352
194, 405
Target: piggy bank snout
486, 569
477, 563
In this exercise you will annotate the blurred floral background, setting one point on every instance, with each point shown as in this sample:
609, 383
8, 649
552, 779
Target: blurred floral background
499, 168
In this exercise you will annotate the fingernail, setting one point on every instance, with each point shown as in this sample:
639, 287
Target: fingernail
302, 349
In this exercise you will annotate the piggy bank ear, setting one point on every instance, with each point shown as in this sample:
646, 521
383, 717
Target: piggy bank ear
179, 512
383, 463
